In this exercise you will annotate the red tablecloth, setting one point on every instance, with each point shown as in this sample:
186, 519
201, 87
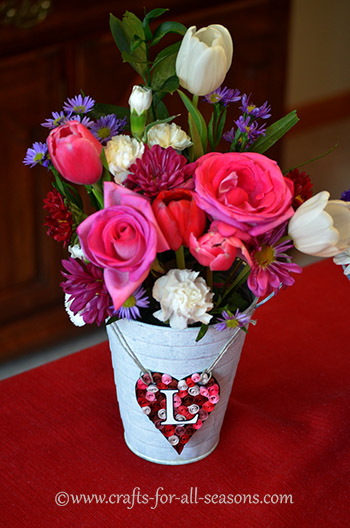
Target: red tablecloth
286, 432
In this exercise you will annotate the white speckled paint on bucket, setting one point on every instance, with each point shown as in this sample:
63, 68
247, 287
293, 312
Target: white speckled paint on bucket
165, 350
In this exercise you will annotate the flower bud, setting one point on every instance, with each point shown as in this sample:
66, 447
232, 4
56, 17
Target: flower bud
140, 99
204, 58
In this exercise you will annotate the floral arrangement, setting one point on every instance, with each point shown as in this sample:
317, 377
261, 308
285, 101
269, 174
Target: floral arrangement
185, 227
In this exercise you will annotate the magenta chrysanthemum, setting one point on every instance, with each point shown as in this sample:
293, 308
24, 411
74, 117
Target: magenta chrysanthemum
87, 290
271, 266
159, 170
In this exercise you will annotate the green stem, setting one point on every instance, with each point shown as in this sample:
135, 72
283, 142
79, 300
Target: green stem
180, 258
97, 191
235, 268
195, 101
210, 278
241, 277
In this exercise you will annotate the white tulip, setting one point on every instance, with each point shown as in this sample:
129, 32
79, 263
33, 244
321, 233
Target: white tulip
321, 227
204, 58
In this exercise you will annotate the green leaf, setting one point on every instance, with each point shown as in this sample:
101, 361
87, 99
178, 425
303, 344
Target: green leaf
124, 33
161, 111
203, 330
135, 62
119, 34
162, 72
165, 28
155, 13
101, 109
170, 85
198, 119
274, 132
135, 43
166, 52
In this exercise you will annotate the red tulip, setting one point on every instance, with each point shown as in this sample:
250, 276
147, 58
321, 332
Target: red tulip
178, 216
75, 153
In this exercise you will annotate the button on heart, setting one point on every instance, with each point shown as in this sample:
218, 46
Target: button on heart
178, 408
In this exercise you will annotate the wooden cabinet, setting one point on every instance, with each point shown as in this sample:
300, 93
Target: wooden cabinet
40, 66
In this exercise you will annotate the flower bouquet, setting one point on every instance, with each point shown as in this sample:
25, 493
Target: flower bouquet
186, 228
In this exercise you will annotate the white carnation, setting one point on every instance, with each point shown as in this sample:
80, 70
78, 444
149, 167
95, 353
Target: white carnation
168, 135
76, 252
76, 319
184, 298
121, 152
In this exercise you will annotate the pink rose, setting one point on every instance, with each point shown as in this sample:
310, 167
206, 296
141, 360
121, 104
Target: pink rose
245, 190
75, 153
216, 251
123, 238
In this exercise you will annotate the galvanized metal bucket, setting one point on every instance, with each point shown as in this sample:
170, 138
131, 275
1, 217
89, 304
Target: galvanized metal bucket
165, 350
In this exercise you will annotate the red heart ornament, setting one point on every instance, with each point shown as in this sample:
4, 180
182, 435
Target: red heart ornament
178, 408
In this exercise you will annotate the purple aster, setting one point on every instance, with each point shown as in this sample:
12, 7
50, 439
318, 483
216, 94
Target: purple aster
83, 120
107, 126
223, 95
345, 195
79, 104
229, 320
87, 291
159, 170
36, 154
58, 118
229, 135
130, 308
251, 109
271, 266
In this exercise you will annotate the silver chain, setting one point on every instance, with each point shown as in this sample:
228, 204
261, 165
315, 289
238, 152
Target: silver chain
206, 373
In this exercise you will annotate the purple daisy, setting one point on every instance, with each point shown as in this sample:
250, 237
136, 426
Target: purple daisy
130, 308
229, 320
262, 112
159, 170
271, 266
87, 290
223, 95
36, 154
107, 126
58, 118
229, 135
79, 104
83, 120
345, 195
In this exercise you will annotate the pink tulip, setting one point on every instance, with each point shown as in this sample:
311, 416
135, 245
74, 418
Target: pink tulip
75, 153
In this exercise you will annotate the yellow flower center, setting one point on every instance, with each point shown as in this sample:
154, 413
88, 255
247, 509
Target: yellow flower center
265, 256
130, 302
104, 132
231, 323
